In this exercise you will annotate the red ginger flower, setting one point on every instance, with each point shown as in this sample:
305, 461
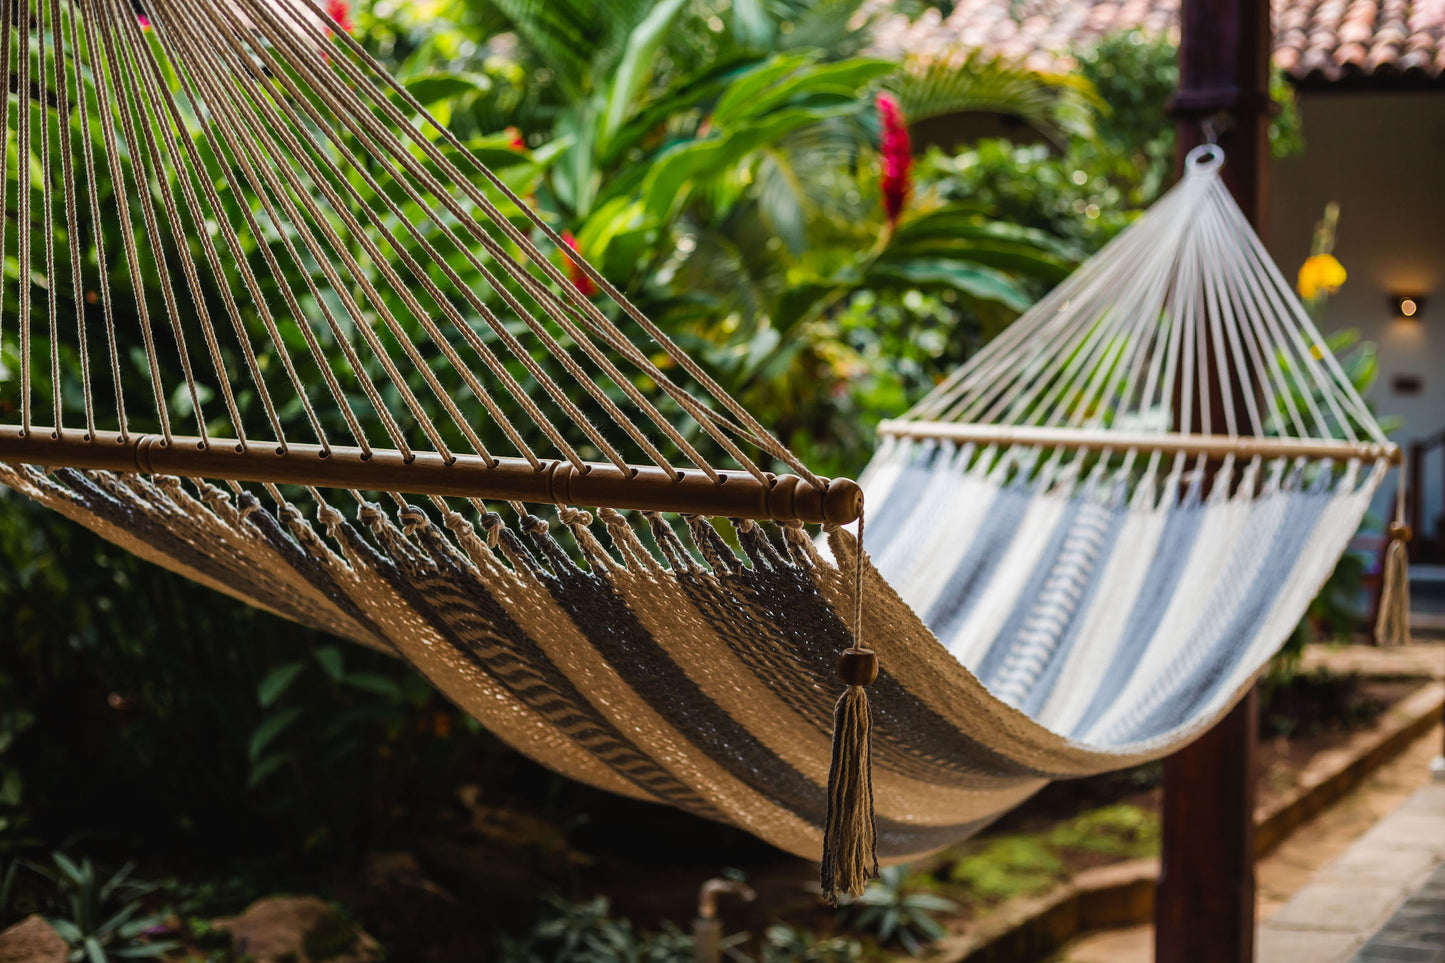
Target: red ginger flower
340, 12
897, 151
575, 274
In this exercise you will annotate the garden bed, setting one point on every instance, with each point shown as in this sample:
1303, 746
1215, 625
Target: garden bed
490, 859
651, 874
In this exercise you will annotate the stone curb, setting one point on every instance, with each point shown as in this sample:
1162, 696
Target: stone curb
1123, 894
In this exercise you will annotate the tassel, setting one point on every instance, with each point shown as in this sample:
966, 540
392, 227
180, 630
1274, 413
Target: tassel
1392, 624
850, 836
850, 857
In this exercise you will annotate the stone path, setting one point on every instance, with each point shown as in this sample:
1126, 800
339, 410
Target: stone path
1355, 895
1416, 931
1309, 851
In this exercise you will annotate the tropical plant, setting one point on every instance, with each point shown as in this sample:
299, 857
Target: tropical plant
1337, 610
895, 909
786, 944
1001, 867
98, 915
721, 164
587, 932
1085, 188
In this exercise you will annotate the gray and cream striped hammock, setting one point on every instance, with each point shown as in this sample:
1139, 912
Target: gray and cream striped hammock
1100, 528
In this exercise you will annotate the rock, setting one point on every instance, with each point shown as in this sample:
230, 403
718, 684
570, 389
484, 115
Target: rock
32, 940
298, 929
398, 899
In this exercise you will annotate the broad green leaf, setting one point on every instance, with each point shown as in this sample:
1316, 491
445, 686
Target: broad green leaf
69, 868
277, 681
331, 660
751, 23
736, 101
634, 68
146, 951
672, 171
372, 682
983, 283
270, 729
263, 769
843, 80
430, 89
68, 931
1017, 258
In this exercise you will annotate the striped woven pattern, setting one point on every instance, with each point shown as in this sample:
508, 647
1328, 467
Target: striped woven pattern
1112, 621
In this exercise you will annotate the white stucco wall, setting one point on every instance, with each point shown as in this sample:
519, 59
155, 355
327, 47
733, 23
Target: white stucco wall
1381, 155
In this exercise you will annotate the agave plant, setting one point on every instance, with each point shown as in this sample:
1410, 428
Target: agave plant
99, 915
894, 911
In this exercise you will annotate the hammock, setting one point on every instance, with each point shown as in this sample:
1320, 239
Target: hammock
1103, 525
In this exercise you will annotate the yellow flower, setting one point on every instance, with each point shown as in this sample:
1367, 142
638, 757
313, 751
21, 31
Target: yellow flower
1320, 274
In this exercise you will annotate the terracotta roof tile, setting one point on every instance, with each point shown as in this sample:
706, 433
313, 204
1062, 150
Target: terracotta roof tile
1314, 39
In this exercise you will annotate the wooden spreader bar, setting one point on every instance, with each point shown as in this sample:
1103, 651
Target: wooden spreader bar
740, 495
1213, 446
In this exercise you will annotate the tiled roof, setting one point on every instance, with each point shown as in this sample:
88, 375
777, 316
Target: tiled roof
1315, 40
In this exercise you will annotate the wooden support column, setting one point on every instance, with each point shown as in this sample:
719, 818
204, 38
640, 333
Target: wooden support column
1205, 901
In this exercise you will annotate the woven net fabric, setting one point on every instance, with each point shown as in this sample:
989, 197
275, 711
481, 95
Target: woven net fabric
1079, 591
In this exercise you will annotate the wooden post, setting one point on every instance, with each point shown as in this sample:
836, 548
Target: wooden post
1204, 904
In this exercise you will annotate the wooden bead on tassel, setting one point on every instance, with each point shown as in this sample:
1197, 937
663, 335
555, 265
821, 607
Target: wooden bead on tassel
858, 666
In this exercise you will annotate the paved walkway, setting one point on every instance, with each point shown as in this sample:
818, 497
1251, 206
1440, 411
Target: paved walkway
1311, 850
1416, 931
1337, 914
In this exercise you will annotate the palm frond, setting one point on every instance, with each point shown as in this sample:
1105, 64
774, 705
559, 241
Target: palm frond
1053, 105
576, 39
836, 26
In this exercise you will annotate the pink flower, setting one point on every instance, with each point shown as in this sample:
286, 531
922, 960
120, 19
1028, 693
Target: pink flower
575, 274
143, 20
897, 152
340, 12
514, 139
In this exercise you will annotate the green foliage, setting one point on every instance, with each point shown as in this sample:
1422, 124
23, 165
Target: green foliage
718, 162
785, 944
894, 908
1009, 866
1336, 611
167, 696
586, 932
1087, 187
1003, 867
1117, 830
98, 915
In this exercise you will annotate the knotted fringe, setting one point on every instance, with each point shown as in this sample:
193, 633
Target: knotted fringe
849, 838
1392, 623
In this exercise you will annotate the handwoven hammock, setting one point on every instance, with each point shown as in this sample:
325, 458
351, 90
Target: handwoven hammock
1101, 527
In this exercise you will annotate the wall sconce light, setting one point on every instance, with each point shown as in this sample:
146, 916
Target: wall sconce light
1407, 306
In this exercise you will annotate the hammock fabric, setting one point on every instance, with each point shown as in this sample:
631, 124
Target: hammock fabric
1102, 584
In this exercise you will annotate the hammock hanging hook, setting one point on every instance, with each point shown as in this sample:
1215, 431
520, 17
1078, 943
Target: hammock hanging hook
1210, 127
